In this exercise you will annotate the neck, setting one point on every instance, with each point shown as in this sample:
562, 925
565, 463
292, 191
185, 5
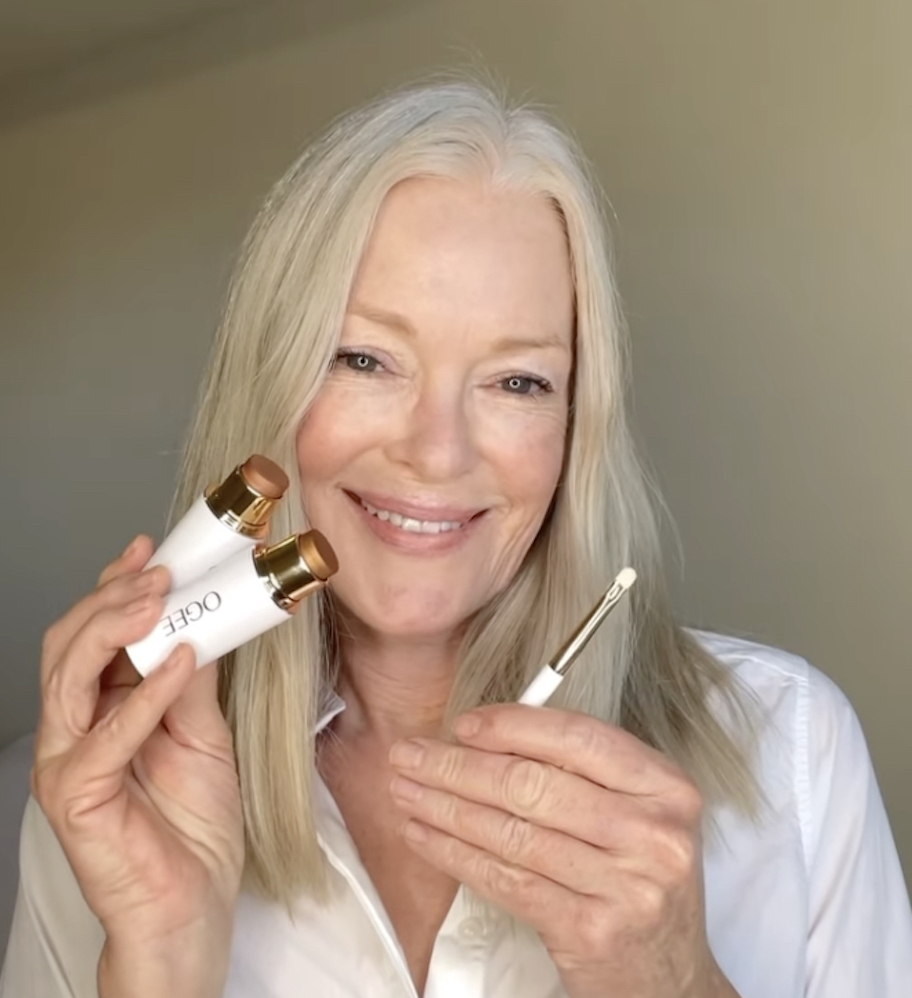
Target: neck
394, 688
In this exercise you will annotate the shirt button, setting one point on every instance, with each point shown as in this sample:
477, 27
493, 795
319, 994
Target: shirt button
472, 930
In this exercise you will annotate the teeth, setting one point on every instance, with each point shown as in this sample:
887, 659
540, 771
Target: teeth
411, 524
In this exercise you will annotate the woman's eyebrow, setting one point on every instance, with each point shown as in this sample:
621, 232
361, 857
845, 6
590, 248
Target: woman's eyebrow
546, 342
392, 320
400, 324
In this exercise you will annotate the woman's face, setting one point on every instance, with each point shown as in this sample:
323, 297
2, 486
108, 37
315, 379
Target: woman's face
432, 452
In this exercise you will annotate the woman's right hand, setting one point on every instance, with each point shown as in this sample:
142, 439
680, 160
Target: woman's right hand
138, 781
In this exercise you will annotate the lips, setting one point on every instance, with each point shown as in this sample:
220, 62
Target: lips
415, 518
410, 523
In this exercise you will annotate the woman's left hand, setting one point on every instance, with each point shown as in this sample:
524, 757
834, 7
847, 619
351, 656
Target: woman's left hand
578, 829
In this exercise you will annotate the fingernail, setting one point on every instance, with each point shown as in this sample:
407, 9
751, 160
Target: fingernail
405, 789
407, 755
175, 658
467, 725
130, 548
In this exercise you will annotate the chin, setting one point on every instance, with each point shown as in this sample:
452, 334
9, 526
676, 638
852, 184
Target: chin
407, 612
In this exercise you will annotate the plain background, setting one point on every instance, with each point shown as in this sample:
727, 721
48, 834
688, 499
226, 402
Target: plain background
758, 157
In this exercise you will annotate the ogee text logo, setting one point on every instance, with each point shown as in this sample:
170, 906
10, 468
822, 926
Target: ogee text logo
186, 615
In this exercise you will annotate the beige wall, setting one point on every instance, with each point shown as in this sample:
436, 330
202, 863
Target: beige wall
758, 156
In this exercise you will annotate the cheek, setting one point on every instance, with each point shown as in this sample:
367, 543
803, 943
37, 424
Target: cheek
332, 433
327, 440
317, 453
528, 471
529, 459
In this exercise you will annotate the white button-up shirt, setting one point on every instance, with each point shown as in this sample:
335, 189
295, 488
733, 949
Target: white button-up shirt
810, 903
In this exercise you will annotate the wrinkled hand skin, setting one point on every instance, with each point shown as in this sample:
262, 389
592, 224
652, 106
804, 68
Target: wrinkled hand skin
578, 829
139, 783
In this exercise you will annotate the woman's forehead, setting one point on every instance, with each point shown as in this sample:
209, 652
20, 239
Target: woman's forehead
495, 252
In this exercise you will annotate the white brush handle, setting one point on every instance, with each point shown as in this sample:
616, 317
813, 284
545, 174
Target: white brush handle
542, 686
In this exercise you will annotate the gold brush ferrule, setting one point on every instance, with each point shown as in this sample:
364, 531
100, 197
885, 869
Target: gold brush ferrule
590, 623
295, 567
245, 500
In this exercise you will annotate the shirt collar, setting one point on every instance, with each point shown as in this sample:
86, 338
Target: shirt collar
331, 705
340, 849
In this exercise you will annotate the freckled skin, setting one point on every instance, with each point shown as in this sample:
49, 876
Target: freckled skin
433, 414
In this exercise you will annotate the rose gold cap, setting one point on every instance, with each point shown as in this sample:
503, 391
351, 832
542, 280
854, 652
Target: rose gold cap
296, 567
264, 476
316, 550
245, 500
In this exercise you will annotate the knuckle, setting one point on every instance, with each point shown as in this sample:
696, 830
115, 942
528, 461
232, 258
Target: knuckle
448, 810
670, 851
56, 788
451, 764
524, 784
72, 818
678, 852
506, 881
55, 685
594, 928
101, 635
515, 839
112, 727
581, 736
67, 819
649, 901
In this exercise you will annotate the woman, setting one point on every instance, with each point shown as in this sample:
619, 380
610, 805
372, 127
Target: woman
424, 325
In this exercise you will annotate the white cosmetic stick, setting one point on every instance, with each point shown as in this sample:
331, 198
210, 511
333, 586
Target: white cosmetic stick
244, 596
231, 517
552, 675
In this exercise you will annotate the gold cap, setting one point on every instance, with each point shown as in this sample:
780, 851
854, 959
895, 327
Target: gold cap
245, 500
296, 567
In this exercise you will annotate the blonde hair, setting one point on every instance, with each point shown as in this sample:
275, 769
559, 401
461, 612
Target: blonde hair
277, 339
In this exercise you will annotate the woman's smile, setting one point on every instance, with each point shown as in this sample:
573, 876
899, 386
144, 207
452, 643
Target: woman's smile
428, 528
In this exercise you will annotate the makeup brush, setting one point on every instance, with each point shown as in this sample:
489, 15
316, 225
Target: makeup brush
552, 674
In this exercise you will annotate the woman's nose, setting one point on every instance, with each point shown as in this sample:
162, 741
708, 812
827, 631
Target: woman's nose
436, 439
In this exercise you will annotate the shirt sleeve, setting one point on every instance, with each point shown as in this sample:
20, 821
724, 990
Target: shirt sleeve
860, 923
55, 941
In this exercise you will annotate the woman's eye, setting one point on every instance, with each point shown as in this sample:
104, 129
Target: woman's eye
363, 363
522, 384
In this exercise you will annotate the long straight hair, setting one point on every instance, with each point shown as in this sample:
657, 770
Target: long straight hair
273, 349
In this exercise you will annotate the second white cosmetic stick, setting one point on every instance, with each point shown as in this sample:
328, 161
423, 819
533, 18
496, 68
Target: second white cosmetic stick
246, 595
